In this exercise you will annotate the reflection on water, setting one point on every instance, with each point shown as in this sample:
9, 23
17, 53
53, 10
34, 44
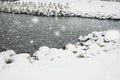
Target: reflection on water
24, 33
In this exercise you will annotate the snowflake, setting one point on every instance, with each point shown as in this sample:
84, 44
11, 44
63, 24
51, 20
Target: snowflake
3, 35
9, 30
63, 28
27, 21
57, 33
30, 25
20, 26
49, 24
8, 38
50, 28
31, 41
35, 20
17, 36
17, 22
9, 18
3, 46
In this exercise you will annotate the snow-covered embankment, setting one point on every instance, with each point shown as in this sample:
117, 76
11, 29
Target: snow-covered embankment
95, 56
80, 8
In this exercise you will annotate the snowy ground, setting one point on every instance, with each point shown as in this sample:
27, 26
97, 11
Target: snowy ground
94, 57
83, 8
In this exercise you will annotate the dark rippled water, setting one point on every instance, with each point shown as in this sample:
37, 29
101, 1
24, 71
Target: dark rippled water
24, 33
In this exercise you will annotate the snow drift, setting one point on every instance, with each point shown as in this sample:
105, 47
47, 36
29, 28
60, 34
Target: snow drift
94, 57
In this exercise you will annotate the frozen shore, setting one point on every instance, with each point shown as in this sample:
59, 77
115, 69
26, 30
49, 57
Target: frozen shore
95, 56
79, 8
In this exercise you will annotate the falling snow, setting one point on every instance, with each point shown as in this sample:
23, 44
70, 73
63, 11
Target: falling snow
57, 33
35, 20
31, 41
63, 28
60, 48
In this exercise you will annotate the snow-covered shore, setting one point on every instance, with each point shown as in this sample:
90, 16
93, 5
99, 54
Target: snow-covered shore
81, 8
95, 56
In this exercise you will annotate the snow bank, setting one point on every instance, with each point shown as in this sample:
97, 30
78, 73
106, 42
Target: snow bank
88, 46
81, 8
95, 56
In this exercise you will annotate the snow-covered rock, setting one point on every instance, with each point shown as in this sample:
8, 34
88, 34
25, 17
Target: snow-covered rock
92, 44
20, 60
42, 53
7, 54
5, 58
70, 47
10, 58
52, 54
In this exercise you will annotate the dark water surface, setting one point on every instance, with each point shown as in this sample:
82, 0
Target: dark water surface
24, 33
